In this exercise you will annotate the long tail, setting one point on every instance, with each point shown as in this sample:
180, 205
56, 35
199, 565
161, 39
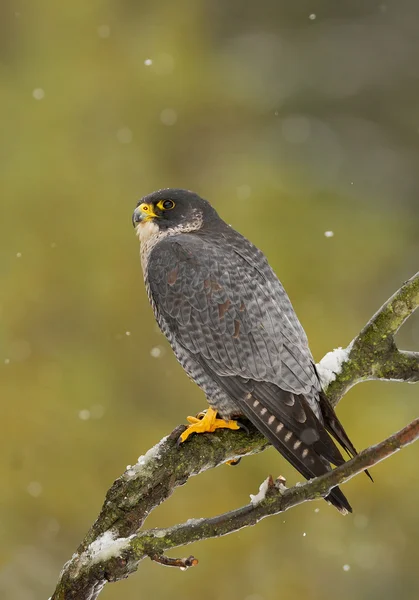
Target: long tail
335, 427
291, 426
294, 430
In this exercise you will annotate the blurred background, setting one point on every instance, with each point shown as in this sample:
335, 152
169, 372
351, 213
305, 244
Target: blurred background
300, 122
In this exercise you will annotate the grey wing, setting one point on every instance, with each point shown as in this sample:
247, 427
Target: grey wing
222, 308
231, 314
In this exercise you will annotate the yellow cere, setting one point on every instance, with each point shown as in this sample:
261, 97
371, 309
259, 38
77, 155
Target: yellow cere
148, 210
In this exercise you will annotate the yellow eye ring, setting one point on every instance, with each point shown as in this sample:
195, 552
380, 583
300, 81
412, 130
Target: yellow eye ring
166, 205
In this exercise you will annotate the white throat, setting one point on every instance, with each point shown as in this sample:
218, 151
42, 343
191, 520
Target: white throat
149, 234
146, 231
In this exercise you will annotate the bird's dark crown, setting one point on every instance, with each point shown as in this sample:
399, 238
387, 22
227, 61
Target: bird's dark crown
173, 207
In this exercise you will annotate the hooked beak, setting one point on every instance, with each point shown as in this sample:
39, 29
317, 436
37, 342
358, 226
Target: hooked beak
143, 212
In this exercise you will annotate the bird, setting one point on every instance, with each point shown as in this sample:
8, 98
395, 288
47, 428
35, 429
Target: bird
234, 330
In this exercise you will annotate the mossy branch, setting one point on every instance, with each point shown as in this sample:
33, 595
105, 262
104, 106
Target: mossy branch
114, 546
373, 353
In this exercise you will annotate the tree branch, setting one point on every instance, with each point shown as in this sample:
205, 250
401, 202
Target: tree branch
373, 353
114, 546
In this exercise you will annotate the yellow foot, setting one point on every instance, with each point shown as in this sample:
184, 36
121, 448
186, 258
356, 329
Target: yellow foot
234, 462
206, 422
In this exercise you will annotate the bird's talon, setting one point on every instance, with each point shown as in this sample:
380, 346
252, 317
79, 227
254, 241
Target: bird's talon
192, 420
208, 423
234, 462
243, 426
179, 441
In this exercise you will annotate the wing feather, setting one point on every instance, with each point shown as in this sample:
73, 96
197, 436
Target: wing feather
245, 324
223, 303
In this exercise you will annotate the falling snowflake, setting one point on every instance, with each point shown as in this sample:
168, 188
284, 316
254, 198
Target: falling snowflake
243, 192
124, 135
155, 352
97, 411
168, 116
104, 31
38, 93
34, 489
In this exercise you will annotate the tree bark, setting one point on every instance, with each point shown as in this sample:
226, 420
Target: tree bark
114, 546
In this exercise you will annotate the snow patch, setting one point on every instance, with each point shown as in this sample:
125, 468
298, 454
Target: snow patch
154, 452
144, 461
105, 547
159, 533
331, 364
261, 495
193, 522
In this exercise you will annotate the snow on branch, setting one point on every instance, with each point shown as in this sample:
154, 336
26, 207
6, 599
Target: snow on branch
114, 546
373, 353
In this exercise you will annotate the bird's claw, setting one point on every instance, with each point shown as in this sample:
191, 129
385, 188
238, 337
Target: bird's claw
243, 426
204, 422
234, 462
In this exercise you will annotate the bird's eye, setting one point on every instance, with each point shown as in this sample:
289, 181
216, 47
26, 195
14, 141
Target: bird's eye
166, 204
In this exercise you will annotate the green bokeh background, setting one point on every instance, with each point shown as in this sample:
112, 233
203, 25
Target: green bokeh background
292, 125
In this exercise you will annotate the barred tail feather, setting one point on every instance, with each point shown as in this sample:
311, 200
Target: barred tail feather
335, 427
301, 455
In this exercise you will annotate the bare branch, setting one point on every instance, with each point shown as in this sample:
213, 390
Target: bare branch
277, 499
161, 470
373, 354
113, 547
180, 563
89, 572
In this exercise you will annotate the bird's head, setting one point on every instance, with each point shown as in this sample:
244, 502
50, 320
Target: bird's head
171, 209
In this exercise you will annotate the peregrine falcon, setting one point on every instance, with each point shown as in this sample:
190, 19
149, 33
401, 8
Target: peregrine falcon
233, 329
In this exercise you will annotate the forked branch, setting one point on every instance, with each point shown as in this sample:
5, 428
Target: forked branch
114, 546
373, 353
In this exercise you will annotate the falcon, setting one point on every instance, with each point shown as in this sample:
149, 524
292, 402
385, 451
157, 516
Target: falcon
233, 329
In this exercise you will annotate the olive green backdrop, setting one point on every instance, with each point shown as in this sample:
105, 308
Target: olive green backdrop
293, 118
